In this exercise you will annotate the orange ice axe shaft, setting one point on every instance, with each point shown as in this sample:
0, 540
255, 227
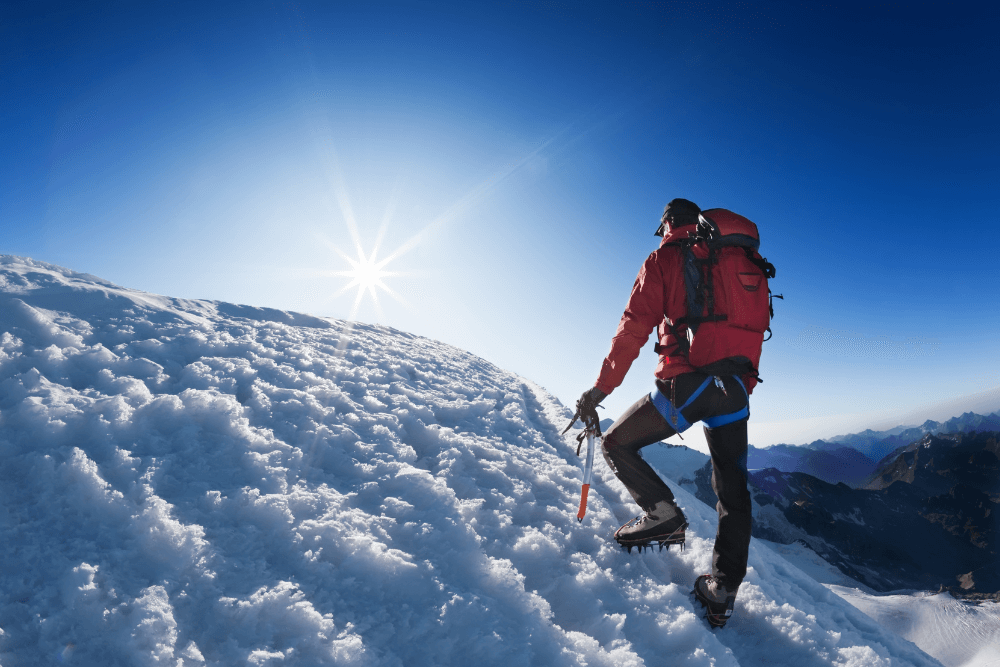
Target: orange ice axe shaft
583, 502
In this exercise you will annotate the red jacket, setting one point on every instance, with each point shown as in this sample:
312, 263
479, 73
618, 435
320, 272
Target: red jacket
658, 293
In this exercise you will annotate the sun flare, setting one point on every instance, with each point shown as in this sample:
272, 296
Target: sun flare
366, 273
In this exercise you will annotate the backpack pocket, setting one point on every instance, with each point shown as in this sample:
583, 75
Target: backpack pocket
741, 291
750, 280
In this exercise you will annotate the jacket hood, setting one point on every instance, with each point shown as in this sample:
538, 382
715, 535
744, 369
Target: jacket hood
676, 235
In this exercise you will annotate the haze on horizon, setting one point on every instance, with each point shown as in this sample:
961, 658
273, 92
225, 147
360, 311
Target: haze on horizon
511, 163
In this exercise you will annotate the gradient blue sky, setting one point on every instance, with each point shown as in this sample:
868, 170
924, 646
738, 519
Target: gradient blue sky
521, 154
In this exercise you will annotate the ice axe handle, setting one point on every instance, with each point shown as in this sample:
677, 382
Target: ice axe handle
588, 475
583, 502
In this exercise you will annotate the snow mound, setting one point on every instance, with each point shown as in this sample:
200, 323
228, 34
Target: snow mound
197, 483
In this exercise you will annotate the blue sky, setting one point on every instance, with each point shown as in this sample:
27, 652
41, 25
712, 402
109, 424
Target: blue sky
520, 154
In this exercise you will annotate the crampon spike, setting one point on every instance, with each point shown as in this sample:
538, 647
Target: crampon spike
676, 537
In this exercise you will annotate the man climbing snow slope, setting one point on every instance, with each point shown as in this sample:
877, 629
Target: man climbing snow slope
705, 290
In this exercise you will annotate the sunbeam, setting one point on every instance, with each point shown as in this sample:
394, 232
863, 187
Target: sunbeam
366, 272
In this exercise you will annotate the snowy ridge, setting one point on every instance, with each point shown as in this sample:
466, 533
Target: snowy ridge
676, 462
196, 483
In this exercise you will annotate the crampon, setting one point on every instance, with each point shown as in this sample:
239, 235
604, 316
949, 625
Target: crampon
650, 541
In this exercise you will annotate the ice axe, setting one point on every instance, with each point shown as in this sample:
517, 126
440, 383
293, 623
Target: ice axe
591, 430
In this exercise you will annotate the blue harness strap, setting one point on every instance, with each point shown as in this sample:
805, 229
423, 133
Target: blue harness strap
665, 408
722, 420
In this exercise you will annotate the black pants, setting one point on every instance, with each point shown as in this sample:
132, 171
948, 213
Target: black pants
672, 408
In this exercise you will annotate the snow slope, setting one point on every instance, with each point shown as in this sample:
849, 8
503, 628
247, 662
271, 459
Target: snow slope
677, 462
198, 483
956, 632
959, 634
800, 554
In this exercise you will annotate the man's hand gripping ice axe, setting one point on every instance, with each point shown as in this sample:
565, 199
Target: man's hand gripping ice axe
586, 412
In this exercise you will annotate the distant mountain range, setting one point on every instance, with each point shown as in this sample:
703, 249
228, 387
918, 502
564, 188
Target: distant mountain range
924, 515
832, 464
852, 458
876, 445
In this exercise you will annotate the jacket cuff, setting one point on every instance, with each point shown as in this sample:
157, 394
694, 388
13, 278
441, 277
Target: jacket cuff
607, 389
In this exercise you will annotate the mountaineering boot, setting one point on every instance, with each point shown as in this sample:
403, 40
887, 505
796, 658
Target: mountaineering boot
664, 524
716, 598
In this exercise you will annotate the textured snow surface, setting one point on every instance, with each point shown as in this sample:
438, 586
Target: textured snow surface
197, 483
959, 634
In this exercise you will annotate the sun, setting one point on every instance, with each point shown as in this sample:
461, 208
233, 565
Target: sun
366, 273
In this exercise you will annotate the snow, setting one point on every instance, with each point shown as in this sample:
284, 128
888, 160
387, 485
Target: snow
958, 633
676, 462
854, 517
800, 554
196, 483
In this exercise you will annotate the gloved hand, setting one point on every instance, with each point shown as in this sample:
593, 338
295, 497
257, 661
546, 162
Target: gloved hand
590, 400
586, 410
